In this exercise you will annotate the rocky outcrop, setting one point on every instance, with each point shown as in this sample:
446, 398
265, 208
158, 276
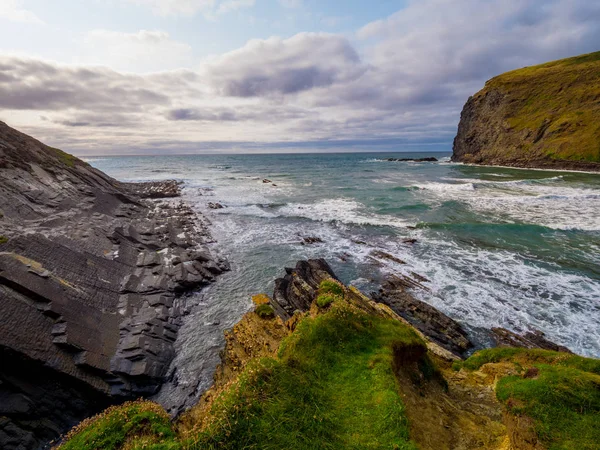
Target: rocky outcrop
541, 117
92, 273
438, 327
298, 288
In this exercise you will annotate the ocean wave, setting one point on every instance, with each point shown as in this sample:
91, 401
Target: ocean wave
340, 210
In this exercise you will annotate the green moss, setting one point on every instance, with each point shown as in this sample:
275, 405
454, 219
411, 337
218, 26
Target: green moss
265, 311
332, 387
557, 104
562, 394
324, 300
3, 239
329, 291
530, 356
137, 424
66, 158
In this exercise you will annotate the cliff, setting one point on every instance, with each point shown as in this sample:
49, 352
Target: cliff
546, 116
91, 276
343, 371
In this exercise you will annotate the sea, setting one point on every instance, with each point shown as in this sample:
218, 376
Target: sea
500, 247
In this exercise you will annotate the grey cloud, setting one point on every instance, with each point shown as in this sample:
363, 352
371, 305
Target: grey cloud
285, 66
30, 84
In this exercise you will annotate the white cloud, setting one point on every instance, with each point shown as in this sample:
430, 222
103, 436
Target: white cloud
144, 51
12, 10
234, 5
176, 7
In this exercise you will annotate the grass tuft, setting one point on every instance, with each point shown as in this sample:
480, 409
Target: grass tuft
559, 391
265, 311
3, 239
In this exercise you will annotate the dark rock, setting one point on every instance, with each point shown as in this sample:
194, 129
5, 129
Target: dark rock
427, 159
536, 339
432, 323
311, 240
89, 273
266, 180
212, 205
298, 288
383, 255
409, 241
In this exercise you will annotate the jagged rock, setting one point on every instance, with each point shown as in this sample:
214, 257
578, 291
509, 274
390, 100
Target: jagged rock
212, 205
308, 240
298, 288
89, 273
536, 339
434, 324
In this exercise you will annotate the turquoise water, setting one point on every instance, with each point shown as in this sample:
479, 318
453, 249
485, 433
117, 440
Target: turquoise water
501, 247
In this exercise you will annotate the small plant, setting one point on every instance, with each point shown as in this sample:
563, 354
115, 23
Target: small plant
3, 239
324, 300
331, 287
265, 311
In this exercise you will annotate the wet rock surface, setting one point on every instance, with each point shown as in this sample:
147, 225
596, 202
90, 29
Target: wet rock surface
427, 159
446, 332
92, 277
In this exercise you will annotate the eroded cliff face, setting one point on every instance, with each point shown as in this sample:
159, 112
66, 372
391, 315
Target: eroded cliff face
546, 116
91, 277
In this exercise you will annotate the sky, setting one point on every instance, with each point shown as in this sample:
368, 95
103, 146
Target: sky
96, 77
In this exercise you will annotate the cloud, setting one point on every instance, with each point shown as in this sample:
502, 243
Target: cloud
12, 10
29, 84
143, 51
400, 81
176, 7
234, 5
278, 66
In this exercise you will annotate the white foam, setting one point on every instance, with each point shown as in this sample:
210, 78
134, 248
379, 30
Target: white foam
340, 210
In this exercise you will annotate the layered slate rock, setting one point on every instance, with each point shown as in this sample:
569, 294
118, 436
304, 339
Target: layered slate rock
92, 273
441, 329
298, 288
544, 116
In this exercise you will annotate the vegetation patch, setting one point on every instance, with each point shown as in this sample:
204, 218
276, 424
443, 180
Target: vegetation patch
265, 311
133, 425
3, 239
66, 158
332, 387
329, 291
559, 391
556, 104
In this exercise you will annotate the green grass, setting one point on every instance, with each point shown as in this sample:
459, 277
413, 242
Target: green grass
139, 425
329, 291
265, 311
66, 158
529, 356
563, 398
3, 239
560, 96
332, 387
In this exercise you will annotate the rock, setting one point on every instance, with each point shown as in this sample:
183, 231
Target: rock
534, 117
266, 180
434, 324
427, 159
89, 273
409, 241
298, 288
536, 339
212, 205
383, 255
308, 240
